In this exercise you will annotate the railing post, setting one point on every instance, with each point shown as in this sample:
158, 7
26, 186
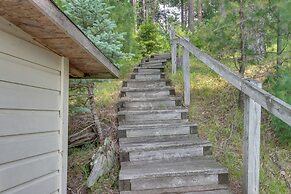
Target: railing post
186, 76
179, 59
174, 56
173, 50
252, 122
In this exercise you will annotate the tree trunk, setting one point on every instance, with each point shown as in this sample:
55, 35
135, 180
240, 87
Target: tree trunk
279, 41
92, 102
191, 15
242, 47
222, 9
144, 10
199, 10
154, 10
182, 14
147, 9
133, 2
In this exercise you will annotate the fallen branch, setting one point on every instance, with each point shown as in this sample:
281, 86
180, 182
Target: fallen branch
82, 139
80, 132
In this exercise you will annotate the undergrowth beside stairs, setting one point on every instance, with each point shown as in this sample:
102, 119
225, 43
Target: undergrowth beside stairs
106, 95
214, 108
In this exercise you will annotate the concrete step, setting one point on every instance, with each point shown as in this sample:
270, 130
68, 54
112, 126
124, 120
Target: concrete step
204, 189
147, 92
172, 173
162, 147
157, 130
147, 76
151, 115
133, 83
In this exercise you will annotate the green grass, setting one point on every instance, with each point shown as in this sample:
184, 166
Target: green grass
214, 108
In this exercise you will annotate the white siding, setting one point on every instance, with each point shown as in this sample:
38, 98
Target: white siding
33, 117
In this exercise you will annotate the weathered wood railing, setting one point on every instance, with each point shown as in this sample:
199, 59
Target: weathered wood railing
255, 98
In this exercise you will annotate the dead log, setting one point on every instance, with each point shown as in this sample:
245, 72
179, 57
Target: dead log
96, 120
82, 139
102, 161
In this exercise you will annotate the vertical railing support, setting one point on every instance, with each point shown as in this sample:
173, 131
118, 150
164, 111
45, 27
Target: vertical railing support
174, 56
186, 76
174, 50
179, 59
252, 122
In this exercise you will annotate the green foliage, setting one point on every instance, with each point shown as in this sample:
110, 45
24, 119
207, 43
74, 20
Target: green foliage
151, 39
282, 89
123, 15
217, 35
93, 18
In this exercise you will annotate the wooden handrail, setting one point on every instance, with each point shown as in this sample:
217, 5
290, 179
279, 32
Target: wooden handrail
272, 104
255, 98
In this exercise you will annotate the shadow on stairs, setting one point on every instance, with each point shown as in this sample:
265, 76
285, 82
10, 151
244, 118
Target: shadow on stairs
160, 151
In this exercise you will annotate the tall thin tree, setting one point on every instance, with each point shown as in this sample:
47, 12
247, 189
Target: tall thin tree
191, 15
200, 10
182, 14
242, 47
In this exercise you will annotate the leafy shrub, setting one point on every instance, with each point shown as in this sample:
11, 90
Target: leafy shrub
151, 40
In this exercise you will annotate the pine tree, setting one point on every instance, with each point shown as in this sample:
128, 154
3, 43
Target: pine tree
93, 18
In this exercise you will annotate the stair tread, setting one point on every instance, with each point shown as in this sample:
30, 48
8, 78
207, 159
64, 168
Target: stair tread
150, 67
148, 73
153, 111
154, 61
206, 189
170, 168
141, 126
155, 123
153, 108
160, 142
148, 79
148, 99
131, 89
139, 80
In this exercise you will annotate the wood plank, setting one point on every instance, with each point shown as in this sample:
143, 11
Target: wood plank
74, 72
10, 28
45, 184
15, 96
64, 129
274, 105
22, 171
186, 77
16, 122
61, 21
174, 56
20, 71
252, 123
24, 146
17, 47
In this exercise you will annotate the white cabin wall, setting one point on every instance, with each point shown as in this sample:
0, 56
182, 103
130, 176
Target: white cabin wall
33, 115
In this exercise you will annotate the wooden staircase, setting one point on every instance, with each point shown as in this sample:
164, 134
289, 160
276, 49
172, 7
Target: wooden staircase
160, 151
